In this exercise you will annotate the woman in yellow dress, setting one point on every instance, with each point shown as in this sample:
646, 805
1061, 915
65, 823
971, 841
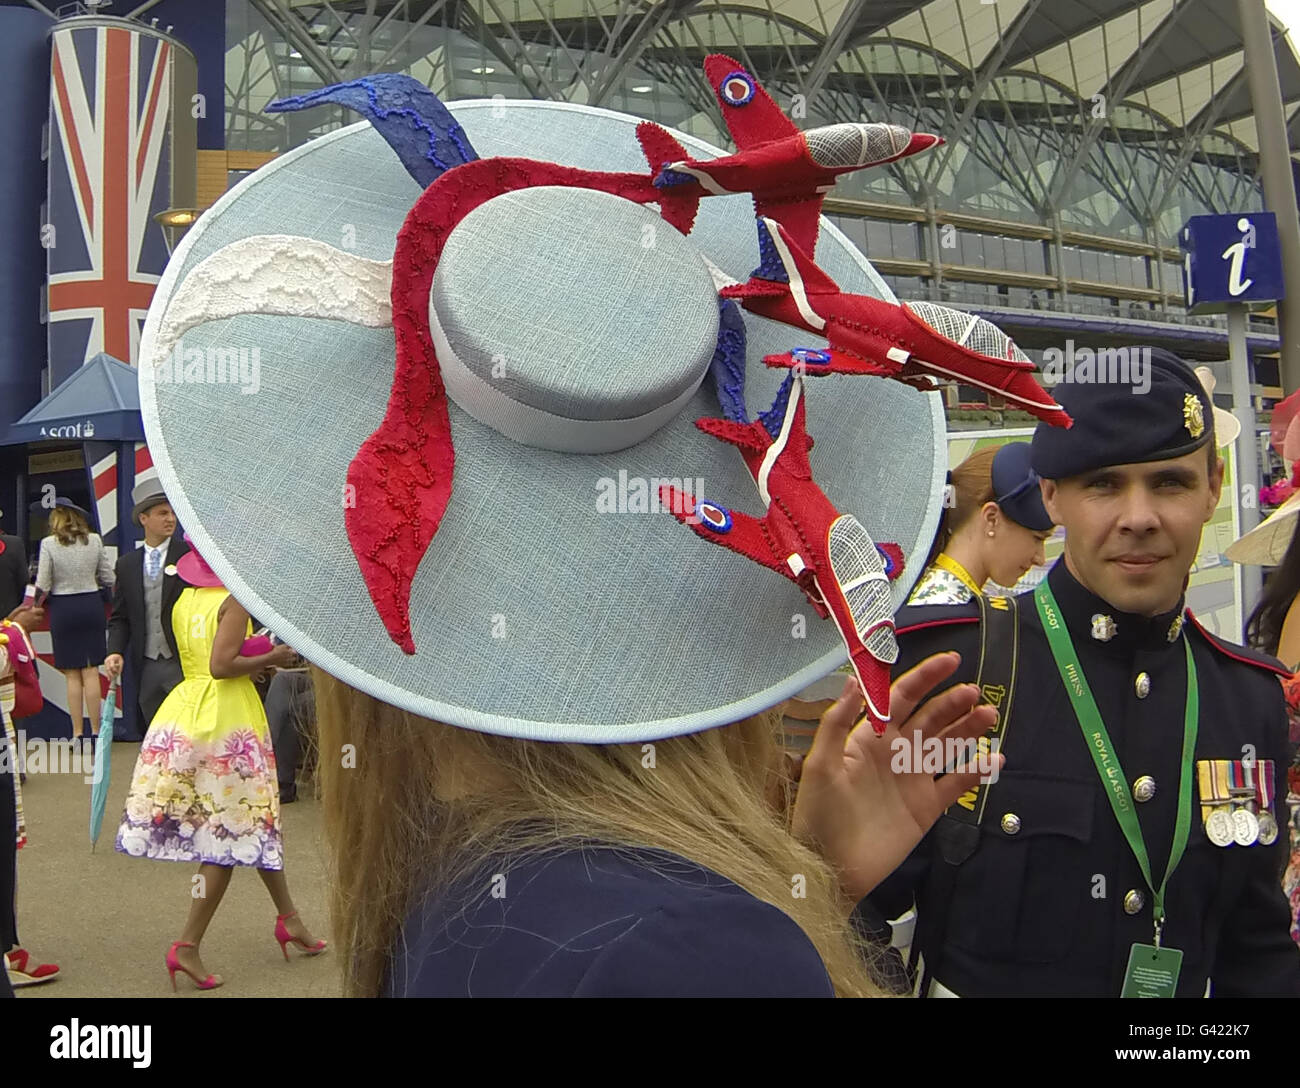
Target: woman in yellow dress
204, 787
994, 526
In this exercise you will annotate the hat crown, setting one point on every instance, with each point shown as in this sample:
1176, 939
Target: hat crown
571, 319
147, 487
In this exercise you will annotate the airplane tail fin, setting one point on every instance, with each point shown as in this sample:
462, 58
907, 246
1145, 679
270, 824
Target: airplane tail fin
783, 266
659, 146
782, 260
679, 198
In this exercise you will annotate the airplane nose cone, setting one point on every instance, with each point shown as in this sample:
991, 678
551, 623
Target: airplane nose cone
848, 146
884, 143
836, 147
921, 141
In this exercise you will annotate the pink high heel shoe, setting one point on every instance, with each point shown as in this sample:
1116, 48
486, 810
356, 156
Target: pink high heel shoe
285, 938
174, 965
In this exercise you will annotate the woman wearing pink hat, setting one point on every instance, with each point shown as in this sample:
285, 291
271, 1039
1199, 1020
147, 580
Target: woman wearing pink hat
204, 787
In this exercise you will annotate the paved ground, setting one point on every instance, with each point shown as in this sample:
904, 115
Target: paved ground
107, 920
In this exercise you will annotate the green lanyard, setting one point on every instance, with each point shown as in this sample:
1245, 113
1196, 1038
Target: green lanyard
1103, 752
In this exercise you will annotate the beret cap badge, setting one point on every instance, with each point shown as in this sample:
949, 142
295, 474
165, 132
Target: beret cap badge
1193, 415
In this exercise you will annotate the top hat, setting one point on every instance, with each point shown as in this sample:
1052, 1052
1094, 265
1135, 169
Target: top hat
147, 492
476, 420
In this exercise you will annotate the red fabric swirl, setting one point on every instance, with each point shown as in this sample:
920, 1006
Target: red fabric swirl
401, 479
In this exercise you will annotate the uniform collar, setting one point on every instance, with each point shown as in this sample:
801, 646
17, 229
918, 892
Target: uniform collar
1095, 623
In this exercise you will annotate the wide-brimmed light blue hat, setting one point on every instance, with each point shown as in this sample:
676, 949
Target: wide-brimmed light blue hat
553, 602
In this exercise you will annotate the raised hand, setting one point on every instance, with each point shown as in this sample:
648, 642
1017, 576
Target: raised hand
852, 806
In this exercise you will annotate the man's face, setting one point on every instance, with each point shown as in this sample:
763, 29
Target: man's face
158, 521
1132, 531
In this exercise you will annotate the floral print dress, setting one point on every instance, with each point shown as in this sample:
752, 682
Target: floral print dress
204, 787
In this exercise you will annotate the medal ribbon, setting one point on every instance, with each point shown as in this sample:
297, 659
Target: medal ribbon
1208, 782
1223, 779
1103, 752
1264, 785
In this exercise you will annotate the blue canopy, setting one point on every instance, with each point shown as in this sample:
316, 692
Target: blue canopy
100, 402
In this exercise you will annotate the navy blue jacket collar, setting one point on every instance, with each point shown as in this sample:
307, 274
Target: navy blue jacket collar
1095, 623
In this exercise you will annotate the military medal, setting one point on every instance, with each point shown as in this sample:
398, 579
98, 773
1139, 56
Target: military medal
1264, 798
1245, 827
1219, 828
1216, 815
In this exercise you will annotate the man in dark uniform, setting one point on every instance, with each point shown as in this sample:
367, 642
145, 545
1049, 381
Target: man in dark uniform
1129, 732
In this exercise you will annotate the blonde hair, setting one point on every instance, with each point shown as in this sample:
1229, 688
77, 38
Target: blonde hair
398, 822
69, 526
972, 487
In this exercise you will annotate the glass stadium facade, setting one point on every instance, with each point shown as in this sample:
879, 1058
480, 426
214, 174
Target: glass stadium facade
1080, 136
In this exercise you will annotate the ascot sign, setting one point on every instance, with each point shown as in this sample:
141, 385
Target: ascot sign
70, 430
1231, 259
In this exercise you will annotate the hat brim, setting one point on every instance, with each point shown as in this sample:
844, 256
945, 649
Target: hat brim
191, 570
39, 507
1267, 542
1226, 428
533, 613
144, 505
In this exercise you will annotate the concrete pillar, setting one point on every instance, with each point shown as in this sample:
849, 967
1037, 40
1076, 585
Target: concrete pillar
1275, 172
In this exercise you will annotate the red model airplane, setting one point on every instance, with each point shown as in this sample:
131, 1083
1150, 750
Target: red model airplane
788, 171
829, 555
911, 341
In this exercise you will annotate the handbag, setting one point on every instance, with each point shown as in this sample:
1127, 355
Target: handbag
28, 699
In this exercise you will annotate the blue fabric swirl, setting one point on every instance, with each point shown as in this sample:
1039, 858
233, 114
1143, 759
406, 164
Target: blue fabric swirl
409, 116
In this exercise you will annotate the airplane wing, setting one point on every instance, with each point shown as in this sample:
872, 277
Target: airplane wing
745, 436
751, 116
745, 535
832, 360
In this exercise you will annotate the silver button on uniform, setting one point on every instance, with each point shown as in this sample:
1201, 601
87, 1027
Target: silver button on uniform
1142, 685
1134, 901
1144, 788
1010, 823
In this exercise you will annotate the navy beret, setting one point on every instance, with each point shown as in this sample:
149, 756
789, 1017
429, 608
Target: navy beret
1015, 487
1130, 406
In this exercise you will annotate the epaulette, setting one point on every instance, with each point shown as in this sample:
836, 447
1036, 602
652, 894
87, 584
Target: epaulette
916, 617
1247, 655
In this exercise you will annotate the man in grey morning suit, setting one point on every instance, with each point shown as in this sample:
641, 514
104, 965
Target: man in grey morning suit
143, 596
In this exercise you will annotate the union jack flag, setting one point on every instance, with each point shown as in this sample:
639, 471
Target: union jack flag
110, 101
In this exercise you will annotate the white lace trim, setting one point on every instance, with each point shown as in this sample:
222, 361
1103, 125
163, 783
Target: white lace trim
277, 274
